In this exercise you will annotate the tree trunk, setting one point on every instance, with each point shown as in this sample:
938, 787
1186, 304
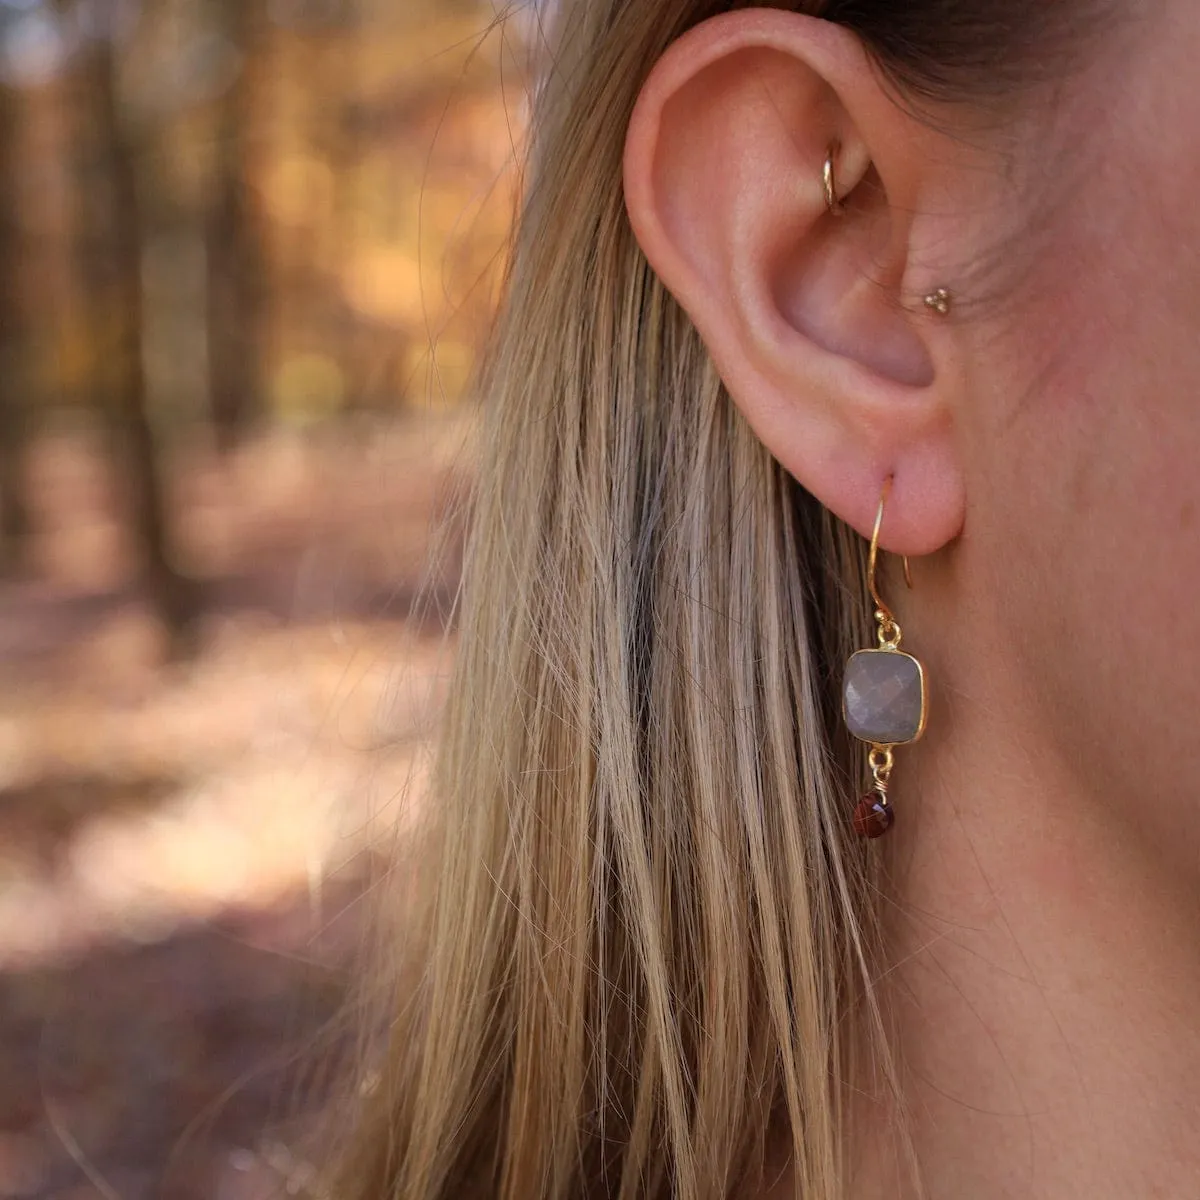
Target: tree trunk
235, 256
14, 515
136, 450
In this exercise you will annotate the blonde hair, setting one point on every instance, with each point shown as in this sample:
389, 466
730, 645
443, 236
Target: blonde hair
652, 932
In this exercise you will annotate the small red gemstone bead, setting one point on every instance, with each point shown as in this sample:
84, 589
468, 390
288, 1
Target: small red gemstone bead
873, 818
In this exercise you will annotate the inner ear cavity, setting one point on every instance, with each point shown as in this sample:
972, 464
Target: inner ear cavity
840, 287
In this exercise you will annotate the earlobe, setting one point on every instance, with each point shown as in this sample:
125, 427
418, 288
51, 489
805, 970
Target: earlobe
805, 313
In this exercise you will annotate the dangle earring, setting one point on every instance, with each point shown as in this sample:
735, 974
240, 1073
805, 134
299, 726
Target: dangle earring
885, 699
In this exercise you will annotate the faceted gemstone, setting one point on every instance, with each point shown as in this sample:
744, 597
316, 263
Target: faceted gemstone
872, 818
884, 697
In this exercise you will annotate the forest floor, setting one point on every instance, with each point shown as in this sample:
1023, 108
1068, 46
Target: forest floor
185, 846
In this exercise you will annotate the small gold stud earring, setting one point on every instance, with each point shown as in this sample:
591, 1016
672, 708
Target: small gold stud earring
940, 302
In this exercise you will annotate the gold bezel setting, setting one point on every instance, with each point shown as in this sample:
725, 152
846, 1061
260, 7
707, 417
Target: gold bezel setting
924, 684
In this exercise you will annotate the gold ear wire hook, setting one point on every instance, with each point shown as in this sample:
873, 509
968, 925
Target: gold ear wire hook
888, 618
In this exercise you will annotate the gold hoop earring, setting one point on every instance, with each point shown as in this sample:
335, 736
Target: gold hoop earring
835, 206
885, 699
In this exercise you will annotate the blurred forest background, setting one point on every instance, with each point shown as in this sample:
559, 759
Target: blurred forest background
248, 250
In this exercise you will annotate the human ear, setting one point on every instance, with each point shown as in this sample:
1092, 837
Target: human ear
809, 316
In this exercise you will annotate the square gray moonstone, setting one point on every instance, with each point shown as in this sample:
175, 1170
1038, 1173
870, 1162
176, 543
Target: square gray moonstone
884, 697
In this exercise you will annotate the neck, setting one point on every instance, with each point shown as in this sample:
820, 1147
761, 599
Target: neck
1046, 973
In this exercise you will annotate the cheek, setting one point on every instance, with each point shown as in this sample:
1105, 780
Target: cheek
1085, 445
1094, 475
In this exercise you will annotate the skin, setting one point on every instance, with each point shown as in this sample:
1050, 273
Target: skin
1045, 868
